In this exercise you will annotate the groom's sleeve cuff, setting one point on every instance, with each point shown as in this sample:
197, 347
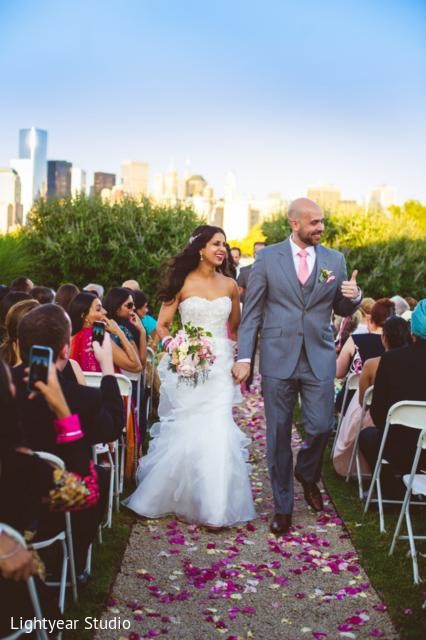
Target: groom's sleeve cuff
248, 360
358, 298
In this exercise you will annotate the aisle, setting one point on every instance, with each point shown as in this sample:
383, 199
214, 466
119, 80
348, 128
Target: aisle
180, 582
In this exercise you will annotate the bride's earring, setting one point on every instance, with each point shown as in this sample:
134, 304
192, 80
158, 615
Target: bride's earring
201, 257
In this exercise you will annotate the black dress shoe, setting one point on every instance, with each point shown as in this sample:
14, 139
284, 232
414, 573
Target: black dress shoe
311, 492
280, 524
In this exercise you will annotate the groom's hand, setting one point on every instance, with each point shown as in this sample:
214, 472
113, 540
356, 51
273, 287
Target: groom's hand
240, 372
350, 288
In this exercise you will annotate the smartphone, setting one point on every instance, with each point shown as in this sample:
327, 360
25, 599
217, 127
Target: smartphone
39, 362
98, 332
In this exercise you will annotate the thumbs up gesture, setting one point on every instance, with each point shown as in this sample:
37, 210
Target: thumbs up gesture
350, 288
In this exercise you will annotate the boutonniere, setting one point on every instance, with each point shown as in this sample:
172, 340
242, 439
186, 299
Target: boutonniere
326, 276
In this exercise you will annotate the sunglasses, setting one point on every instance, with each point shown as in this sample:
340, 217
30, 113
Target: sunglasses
129, 305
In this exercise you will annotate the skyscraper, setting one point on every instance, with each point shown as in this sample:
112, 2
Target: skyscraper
58, 179
31, 166
382, 197
78, 181
135, 178
10, 200
103, 180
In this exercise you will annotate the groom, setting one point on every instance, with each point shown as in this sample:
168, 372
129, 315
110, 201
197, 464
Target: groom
293, 288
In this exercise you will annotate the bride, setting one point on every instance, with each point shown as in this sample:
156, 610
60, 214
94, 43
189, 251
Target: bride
196, 467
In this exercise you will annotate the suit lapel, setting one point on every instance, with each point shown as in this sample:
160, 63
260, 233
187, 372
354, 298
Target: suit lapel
287, 266
320, 262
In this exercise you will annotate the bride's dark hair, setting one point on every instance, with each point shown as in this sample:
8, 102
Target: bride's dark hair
187, 260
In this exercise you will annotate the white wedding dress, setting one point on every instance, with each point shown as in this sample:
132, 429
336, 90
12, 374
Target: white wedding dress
196, 466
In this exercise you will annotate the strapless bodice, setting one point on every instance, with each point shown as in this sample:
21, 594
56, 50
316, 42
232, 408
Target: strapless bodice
212, 315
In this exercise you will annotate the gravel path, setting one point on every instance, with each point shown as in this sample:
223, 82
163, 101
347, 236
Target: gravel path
179, 581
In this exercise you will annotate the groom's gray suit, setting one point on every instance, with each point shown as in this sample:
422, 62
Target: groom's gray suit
297, 355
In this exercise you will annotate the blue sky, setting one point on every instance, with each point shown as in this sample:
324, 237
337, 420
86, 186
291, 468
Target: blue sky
284, 94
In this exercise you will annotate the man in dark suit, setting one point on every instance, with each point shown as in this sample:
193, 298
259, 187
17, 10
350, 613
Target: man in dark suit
100, 412
400, 376
242, 279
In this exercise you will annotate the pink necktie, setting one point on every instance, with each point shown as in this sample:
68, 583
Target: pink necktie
303, 273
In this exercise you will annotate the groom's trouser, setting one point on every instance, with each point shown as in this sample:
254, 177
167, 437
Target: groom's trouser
280, 396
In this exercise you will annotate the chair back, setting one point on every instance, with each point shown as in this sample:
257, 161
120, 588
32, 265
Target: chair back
368, 397
352, 382
93, 379
50, 457
408, 413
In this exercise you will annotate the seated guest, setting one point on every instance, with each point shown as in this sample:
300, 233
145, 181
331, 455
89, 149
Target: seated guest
84, 310
131, 284
27, 483
142, 311
400, 376
347, 327
100, 410
9, 349
401, 305
120, 307
359, 348
11, 298
43, 294
365, 314
22, 283
65, 294
396, 334
363, 346
97, 289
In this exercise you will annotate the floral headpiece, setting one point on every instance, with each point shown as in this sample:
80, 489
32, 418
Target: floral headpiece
192, 238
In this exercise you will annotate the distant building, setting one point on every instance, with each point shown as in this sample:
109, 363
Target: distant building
195, 186
31, 166
158, 187
58, 179
382, 197
326, 195
78, 181
10, 200
171, 185
103, 180
135, 178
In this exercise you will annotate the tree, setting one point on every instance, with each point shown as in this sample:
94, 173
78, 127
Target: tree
85, 240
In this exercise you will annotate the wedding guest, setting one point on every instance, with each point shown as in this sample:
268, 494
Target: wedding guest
243, 277
142, 310
11, 298
65, 294
396, 334
400, 376
131, 284
412, 302
100, 410
236, 256
97, 289
22, 283
9, 349
86, 309
365, 314
120, 307
43, 294
401, 305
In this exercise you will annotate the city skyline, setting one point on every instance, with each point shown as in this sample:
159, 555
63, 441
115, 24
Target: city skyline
284, 96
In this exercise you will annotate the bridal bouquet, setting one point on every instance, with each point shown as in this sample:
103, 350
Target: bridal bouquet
191, 354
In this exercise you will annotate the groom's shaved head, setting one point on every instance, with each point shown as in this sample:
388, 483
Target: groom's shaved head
299, 206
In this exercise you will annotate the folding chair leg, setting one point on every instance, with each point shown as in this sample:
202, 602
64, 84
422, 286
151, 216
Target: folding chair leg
402, 513
70, 545
41, 633
88, 567
63, 585
117, 477
380, 503
372, 485
413, 550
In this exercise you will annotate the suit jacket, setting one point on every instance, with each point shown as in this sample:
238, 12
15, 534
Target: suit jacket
101, 416
275, 303
242, 280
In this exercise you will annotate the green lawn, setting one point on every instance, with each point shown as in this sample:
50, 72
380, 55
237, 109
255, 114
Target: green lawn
390, 575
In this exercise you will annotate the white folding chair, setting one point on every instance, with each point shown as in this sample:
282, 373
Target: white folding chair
408, 413
93, 379
32, 590
366, 404
139, 379
65, 539
352, 382
415, 485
